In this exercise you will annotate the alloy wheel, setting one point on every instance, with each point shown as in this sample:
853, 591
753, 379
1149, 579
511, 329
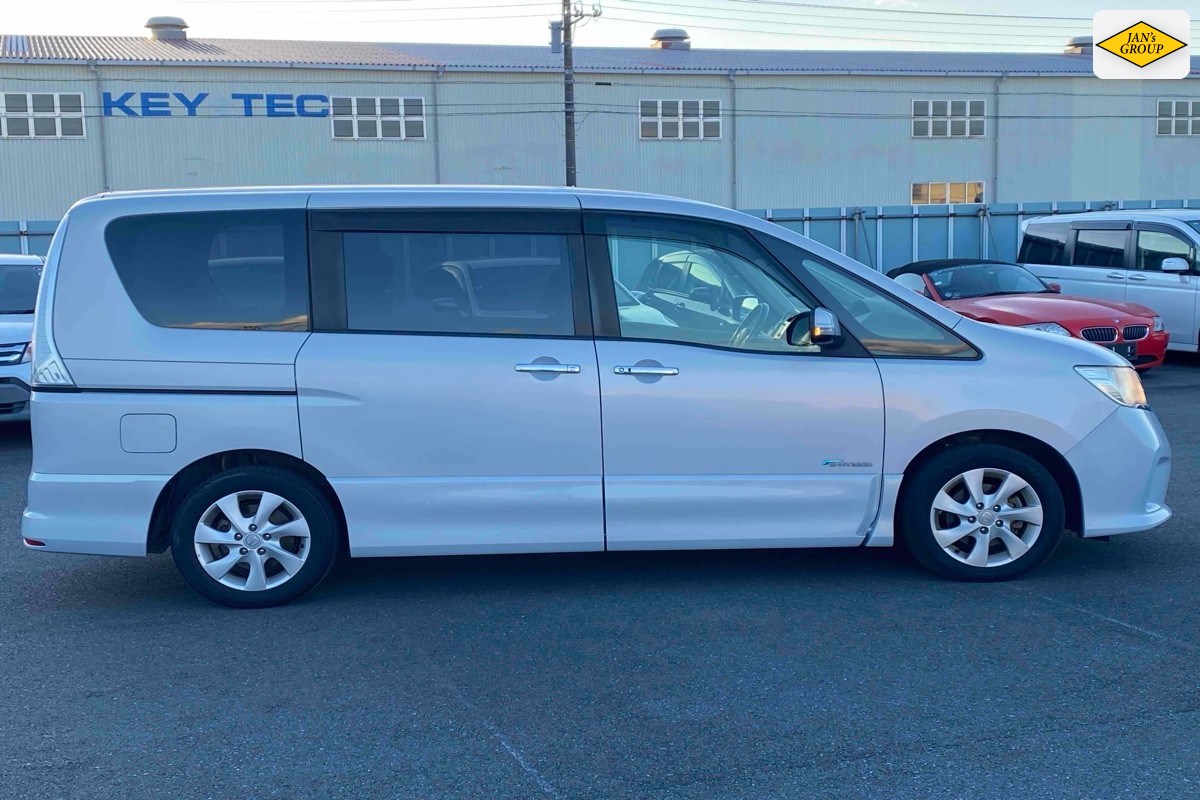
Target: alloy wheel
252, 541
986, 517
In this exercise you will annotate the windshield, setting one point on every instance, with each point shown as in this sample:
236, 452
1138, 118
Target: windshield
18, 288
1195, 223
982, 280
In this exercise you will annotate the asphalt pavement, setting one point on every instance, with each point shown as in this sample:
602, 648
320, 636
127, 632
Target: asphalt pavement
763, 674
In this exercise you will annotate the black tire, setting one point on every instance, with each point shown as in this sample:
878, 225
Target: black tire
323, 525
921, 489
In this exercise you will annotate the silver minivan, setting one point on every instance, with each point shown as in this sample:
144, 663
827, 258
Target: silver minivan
257, 379
1146, 257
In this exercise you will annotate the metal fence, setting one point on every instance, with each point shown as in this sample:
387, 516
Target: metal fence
889, 236
879, 236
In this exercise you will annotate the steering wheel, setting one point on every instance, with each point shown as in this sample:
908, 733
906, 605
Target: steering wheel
751, 325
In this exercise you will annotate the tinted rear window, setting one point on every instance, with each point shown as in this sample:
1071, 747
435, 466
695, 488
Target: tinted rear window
1045, 243
233, 270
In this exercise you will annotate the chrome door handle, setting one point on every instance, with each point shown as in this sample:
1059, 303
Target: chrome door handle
557, 369
646, 370
1116, 276
1137, 277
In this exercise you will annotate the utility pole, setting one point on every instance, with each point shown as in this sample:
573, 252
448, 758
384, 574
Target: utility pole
568, 22
571, 13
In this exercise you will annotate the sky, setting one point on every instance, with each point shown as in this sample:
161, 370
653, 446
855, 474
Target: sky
772, 24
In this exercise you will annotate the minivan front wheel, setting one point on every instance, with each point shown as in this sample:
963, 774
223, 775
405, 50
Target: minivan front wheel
982, 513
254, 536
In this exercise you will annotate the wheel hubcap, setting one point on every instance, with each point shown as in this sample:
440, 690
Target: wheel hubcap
986, 517
252, 541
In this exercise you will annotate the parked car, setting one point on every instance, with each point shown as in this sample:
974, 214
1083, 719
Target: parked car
1008, 294
19, 275
255, 424
1146, 257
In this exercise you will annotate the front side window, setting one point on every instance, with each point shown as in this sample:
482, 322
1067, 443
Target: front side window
713, 297
1154, 246
378, 117
41, 115
18, 288
1045, 243
1100, 248
467, 283
230, 270
984, 280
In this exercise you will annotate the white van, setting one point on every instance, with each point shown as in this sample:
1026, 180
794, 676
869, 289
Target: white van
1146, 257
256, 379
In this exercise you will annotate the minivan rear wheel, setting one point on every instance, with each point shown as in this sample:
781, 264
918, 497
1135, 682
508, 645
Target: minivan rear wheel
982, 513
254, 536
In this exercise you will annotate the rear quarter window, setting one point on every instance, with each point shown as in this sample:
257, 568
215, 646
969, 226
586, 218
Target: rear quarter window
227, 270
1045, 243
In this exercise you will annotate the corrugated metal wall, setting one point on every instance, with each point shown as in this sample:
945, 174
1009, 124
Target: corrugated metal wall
879, 236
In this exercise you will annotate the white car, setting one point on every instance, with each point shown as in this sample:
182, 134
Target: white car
1136, 256
19, 276
277, 374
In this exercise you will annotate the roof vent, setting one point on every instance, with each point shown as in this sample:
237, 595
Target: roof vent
1079, 46
167, 28
671, 39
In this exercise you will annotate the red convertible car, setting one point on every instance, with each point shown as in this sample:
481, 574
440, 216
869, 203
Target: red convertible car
1009, 294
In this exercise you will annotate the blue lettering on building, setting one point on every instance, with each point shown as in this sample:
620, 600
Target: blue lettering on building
244, 104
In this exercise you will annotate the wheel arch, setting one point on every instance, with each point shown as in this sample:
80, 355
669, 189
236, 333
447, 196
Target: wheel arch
1047, 456
158, 534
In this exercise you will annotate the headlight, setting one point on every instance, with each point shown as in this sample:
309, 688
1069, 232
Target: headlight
1122, 384
1158, 325
1048, 327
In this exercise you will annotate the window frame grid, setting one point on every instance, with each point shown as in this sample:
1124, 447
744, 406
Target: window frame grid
1191, 119
31, 115
680, 119
949, 118
947, 185
378, 118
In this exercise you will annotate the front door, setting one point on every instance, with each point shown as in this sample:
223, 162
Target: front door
1172, 295
449, 392
719, 433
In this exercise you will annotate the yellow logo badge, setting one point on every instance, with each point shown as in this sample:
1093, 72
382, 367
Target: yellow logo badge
1141, 44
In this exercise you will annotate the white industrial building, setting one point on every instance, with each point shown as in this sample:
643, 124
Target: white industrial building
743, 128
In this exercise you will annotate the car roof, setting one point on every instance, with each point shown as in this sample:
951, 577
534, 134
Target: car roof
1178, 214
19, 260
929, 265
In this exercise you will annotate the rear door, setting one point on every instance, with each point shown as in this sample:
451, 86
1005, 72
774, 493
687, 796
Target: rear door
1098, 265
1172, 295
448, 425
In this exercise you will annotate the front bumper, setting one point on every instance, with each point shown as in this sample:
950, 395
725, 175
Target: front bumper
1123, 468
14, 392
106, 515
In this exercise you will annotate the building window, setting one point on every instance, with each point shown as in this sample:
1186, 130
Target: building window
378, 117
680, 119
38, 115
949, 118
939, 193
1179, 117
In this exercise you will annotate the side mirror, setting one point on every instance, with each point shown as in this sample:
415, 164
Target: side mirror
703, 294
1055, 287
1175, 264
821, 327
